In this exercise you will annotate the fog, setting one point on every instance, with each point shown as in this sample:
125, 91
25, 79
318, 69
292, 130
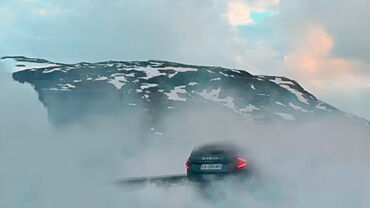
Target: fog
325, 163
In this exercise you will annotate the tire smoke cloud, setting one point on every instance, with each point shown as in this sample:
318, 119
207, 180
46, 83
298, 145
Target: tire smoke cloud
316, 164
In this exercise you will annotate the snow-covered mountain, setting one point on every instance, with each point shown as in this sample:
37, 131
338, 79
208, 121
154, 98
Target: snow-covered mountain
74, 91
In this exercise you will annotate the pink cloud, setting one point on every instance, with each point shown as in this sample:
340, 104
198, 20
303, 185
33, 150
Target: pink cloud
238, 13
311, 62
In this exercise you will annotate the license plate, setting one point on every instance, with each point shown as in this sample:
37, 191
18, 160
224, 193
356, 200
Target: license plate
211, 167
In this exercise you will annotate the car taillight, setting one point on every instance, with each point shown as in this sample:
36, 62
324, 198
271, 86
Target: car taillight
241, 163
187, 164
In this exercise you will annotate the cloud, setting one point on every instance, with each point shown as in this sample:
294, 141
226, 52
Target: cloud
43, 12
311, 61
78, 165
25, 0
191, 31
338, 80
321, 44
264, 5
238, 13
241, 12
342, 19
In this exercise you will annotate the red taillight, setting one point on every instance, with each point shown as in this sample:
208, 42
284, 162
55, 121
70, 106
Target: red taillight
187, 164
241, 163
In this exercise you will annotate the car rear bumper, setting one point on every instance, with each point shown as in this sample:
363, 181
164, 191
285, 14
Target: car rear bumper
208, 177
202, 177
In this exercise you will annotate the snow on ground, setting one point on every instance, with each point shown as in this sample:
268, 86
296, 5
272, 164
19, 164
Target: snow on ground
100, 78
286, 116
249, 108
295, 107
147, 85
36, 66
130, 75
281, 104
285, 84
213, 95
280, 81
193, 83
15, 66
154, 72
118, 81
179, 69
66, 87
226, 75
150, 72
298, 94
322, 106
173, 94
55, 68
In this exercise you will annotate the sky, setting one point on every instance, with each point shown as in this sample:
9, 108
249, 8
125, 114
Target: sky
324, 45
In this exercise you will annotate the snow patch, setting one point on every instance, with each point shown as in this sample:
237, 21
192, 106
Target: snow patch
51, 70
280, 81
180, 69
286, 116
130, 75
260, 78
285, 84
225, 74
101, 78
66, 87
295, 107
174, 94
249, 108
279, 103
21, 65
213, 95
299, 95
322, 106
148, 85
150, 72
118, 81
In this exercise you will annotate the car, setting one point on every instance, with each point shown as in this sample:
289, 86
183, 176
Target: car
207, 163
216, 161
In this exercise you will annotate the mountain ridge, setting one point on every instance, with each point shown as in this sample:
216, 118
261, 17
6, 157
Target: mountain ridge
161, 86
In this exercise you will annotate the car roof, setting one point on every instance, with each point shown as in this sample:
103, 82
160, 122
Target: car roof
221, 146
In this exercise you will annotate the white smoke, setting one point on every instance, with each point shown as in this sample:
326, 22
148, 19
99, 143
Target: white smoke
321, 164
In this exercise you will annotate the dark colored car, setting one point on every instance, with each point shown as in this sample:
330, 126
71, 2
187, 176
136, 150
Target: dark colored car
214, 161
